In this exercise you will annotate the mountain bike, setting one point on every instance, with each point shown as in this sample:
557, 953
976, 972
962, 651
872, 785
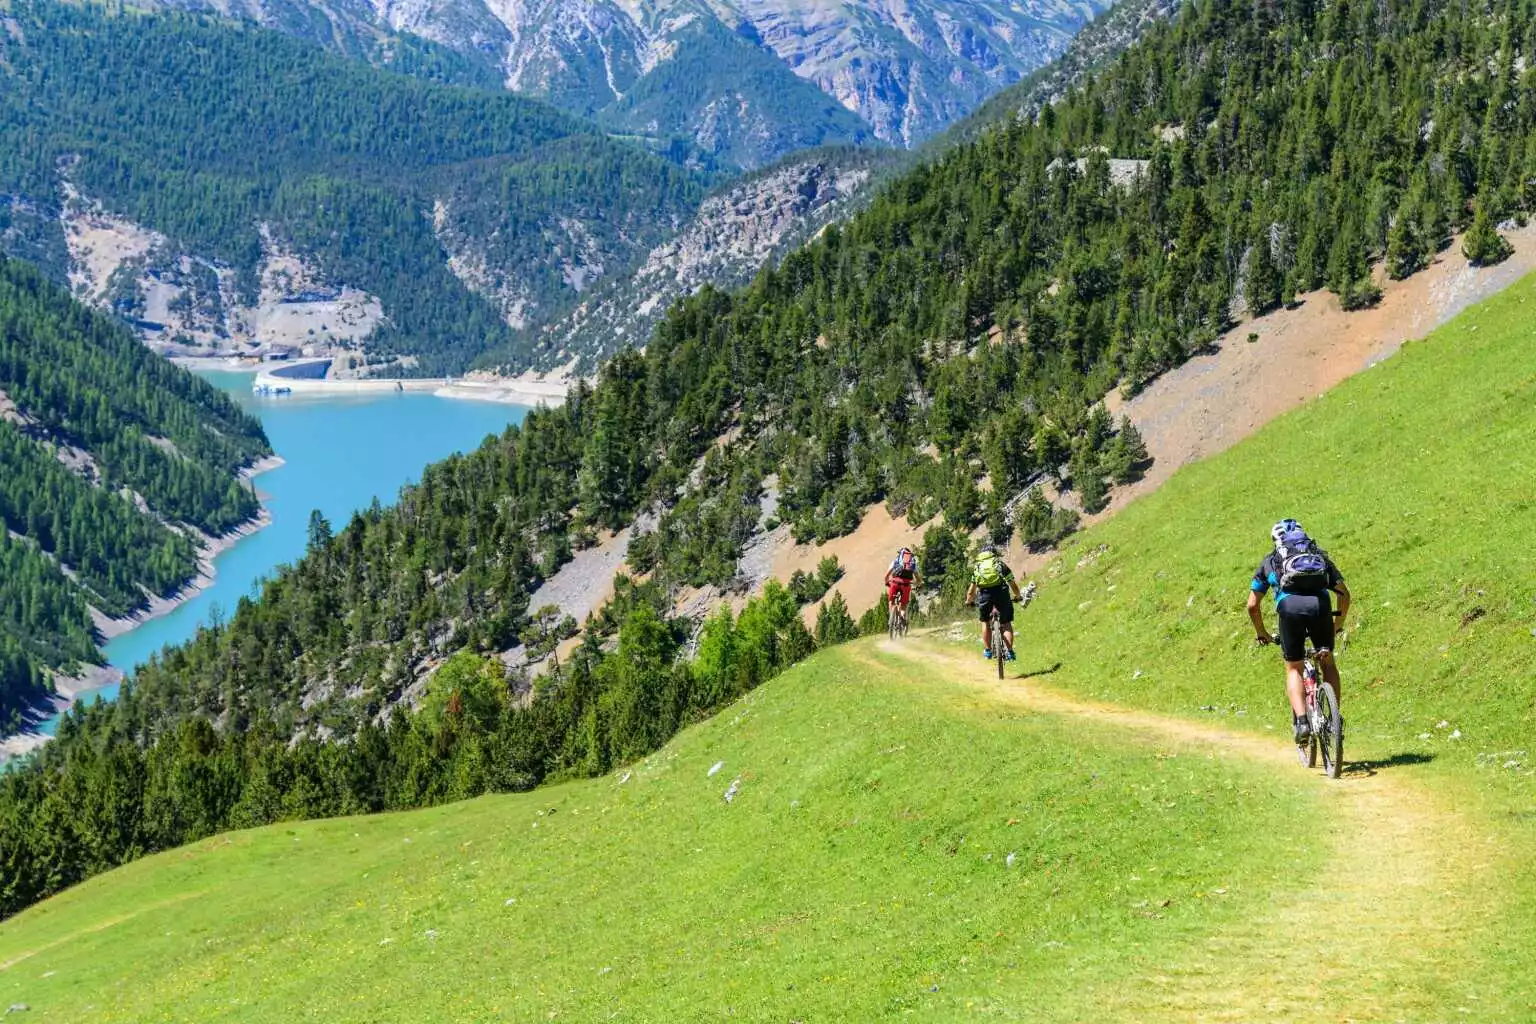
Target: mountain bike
896, 616
999, 648
1327, 736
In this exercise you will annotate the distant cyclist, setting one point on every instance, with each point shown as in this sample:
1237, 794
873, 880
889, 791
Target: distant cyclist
900, 578
1303, 578
993, 586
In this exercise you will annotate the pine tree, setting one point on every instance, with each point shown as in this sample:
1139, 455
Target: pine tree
1033, 520
1483, 245
1263, 286
833, 623
1129, 454
1406, 250
1088, 479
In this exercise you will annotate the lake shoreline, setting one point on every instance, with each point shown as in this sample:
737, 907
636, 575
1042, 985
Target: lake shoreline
91, 678
209, 548
334, 462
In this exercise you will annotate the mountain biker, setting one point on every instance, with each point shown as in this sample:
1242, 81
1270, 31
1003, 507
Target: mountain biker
1303, 578
993, 585
900, 578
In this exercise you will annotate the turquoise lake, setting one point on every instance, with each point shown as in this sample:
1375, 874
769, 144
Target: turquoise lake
339, 453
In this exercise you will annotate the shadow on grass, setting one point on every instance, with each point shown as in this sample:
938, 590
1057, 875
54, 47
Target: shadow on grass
1040, 671
1366, 769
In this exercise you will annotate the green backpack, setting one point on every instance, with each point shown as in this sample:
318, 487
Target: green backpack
988, 572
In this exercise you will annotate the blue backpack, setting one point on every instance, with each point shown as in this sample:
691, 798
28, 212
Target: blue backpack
1303, 566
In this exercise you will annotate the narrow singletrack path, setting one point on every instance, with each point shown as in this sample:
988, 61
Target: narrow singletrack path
1373, 933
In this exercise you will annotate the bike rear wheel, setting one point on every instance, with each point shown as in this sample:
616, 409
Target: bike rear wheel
999, 649
1328, 730
1308, 750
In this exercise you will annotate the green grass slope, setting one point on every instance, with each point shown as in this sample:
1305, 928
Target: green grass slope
861, 871
1168, 861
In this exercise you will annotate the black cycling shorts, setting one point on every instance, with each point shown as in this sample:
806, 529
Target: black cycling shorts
1303, 616
1000, 597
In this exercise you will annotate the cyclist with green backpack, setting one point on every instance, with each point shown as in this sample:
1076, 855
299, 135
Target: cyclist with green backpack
993, 586
1303, 578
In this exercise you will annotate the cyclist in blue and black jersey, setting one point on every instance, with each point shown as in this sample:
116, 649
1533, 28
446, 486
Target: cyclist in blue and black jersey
1304, 579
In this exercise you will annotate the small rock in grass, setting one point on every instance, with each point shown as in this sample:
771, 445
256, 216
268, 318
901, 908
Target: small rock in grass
715, 768
1456, 735
430, 933
730, 794
1442, 724
385, 942
1136, 674
509, 901
1010, 859
18, 1008
625, 777
1424, 736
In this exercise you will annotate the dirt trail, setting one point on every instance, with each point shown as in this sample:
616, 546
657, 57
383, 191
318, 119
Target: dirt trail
1410, 880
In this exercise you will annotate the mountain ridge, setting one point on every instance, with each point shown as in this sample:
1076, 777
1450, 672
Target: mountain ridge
196, 206
745, 80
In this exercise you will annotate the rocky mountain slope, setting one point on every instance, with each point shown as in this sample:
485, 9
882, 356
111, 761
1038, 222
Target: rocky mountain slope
746, 81
735, 233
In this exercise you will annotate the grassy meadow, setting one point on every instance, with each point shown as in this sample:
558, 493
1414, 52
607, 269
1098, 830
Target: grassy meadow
1116, 833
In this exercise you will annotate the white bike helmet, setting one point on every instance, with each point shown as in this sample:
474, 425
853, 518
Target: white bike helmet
1282, 528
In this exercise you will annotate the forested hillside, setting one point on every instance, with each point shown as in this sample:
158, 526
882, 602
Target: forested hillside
108, 452
209, 132
942, 352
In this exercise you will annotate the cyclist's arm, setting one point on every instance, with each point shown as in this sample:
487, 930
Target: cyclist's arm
1343, 592
970, 594
1256, 614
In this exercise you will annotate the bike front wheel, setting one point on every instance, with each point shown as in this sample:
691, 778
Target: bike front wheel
999, 649
1328, 730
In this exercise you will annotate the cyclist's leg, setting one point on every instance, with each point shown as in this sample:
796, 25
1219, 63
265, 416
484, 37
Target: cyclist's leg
1005, 618
1294, 689
1293, 647
984, 612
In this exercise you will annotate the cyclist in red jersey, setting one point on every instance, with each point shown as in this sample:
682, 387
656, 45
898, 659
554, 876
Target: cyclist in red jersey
900, 578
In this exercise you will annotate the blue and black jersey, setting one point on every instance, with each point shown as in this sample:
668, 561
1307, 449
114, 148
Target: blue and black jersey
1268, 575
